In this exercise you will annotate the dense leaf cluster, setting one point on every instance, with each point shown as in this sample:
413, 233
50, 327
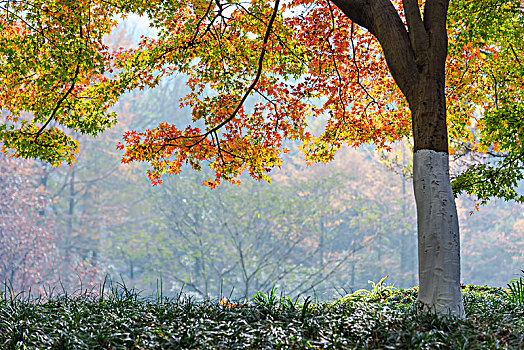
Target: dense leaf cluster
489, 33
53, 76
500, 177
123, 320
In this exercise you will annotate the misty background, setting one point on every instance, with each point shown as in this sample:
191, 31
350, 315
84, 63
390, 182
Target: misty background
319, 230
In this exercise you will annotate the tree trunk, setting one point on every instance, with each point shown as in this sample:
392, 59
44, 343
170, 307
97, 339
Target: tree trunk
416, 51
438, 234
437, 220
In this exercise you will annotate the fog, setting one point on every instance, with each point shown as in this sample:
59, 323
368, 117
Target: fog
320, 231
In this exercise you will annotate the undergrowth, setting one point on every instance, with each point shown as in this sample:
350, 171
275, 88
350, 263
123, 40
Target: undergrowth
121, 319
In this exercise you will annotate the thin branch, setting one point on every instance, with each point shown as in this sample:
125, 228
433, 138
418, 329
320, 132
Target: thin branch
515, 54
192, 42
253, 84
353, 49
57, 107
218, 148
283, 43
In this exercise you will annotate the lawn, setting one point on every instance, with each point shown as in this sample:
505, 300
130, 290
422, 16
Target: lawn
122, 319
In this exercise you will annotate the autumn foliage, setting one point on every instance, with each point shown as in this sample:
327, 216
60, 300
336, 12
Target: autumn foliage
52, 76
259, 73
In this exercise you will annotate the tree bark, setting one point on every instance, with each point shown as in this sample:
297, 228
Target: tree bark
438, 235
416, 57
437, 219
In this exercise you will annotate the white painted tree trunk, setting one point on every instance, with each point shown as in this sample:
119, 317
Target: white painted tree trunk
438, 235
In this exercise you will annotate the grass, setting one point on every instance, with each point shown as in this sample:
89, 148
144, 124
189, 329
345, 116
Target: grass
122, 319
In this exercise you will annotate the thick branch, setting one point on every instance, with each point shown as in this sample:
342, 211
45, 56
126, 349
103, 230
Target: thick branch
382, 20
417, 32
435, 14
357, 10
255, 81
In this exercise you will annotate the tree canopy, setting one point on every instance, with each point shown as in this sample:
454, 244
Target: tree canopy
259, 72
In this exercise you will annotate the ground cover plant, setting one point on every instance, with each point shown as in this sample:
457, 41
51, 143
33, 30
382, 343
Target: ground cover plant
122, 319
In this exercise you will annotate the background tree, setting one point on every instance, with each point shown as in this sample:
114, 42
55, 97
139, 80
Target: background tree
27, 236
492, 240
146, 244
30, 257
